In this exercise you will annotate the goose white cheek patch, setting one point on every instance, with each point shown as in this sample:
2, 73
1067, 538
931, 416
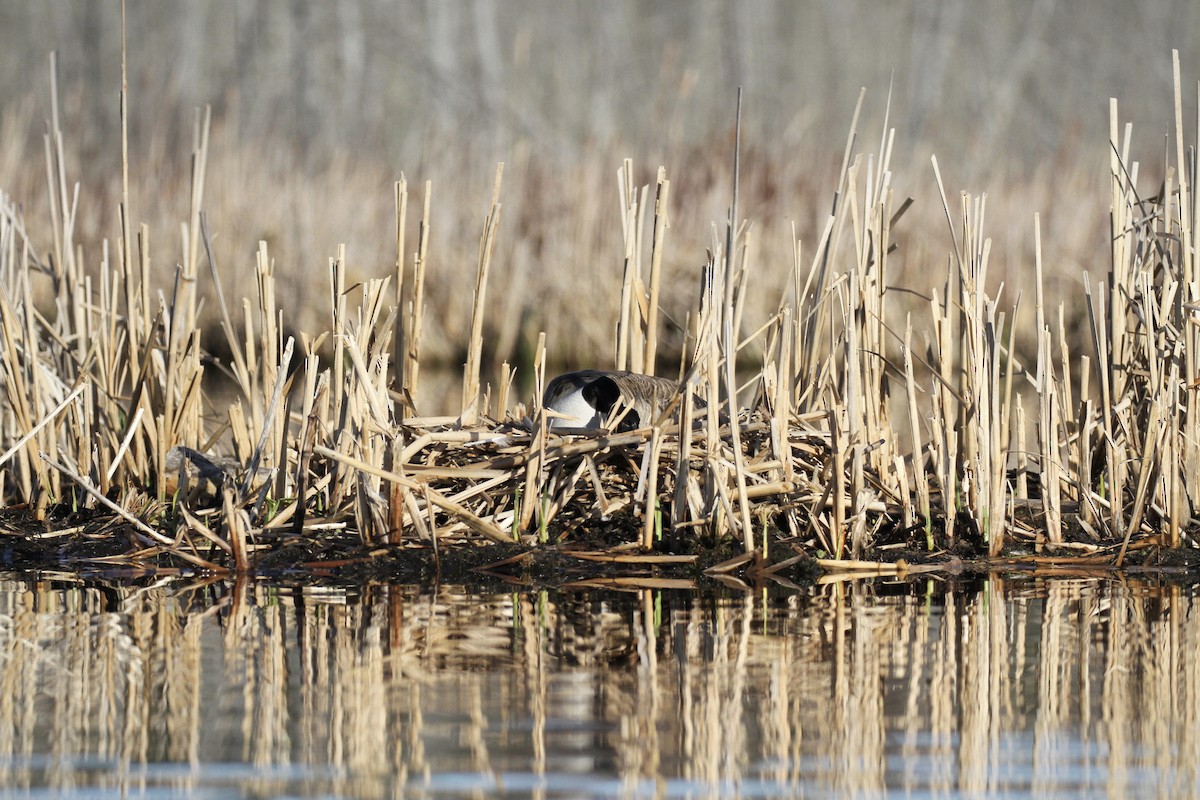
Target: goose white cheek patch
578, 413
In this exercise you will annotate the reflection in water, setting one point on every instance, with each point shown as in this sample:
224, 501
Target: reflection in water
1029, 688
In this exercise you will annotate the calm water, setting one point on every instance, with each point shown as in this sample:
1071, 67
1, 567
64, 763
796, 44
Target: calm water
1019, 688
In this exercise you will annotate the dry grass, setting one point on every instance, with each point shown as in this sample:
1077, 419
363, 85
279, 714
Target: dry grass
834, 414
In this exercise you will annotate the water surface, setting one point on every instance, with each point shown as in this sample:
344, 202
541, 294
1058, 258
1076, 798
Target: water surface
1032, 688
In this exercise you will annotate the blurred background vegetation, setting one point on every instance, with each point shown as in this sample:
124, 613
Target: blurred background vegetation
319, 107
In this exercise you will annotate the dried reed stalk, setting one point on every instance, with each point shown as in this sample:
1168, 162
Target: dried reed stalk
471, 380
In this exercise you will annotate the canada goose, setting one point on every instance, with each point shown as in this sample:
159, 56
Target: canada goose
586, 399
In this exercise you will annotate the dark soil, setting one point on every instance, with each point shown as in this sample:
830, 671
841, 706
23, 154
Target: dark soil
96, 542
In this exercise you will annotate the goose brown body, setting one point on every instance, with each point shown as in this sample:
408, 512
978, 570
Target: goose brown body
587, 399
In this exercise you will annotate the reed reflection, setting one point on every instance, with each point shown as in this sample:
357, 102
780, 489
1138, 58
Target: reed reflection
1029, 687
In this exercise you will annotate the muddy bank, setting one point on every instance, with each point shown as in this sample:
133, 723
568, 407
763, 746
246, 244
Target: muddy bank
96, 543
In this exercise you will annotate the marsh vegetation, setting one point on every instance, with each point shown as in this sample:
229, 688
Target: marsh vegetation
850, 399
